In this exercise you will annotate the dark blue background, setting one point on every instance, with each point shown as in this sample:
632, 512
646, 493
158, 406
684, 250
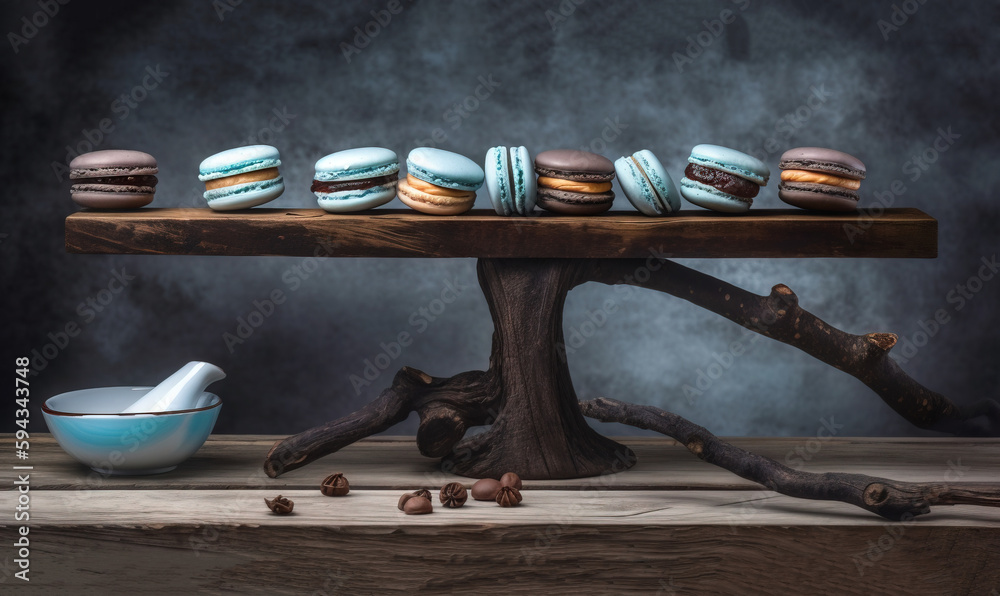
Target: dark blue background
555, 80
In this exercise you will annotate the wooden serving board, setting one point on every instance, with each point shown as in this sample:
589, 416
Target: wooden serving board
895, 233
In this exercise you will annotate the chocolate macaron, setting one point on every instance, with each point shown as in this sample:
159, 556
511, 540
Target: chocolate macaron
113, 179
574, 182
820, 179
723, 179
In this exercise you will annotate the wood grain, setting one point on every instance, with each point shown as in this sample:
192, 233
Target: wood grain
556, 542
386, 462
896, 233
204, 528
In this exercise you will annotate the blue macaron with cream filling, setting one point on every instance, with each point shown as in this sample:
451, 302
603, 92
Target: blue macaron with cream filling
242, 178
723, 179
510, 180
647, 185
440, 182
356, 179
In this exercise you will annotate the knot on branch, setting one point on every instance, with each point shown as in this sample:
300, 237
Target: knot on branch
785, 294
880, 343
412, 375
875, 494
696, 446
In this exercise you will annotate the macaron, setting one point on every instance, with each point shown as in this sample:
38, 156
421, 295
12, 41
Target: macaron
356, 179
820, 179
574, 182
646, 184
113, 179
242, 178
440, 182
510, 180
723, 179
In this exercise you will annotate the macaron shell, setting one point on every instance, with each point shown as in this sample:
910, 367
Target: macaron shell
112, 162
444, 168
637, 189
651, 191
422, 202
708, 197
244, 196
662, 182
109, 200
497, 181
349, 201
574, 203
238, 161
526, 189
357, 164
573, 164
817, 201
732, 161
820, 159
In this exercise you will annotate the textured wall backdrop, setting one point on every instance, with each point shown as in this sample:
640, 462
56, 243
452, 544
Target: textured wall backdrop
549, 74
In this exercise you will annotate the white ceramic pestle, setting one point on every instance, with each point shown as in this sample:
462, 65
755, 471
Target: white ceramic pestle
182, 390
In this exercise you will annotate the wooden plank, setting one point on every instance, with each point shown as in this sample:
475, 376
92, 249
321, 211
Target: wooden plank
609, 535
613, 542
896, 233
386, 462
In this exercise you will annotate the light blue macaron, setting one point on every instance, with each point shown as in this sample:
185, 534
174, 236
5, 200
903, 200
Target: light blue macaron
444, 168
727, 160
510, 180
647, 185
339, 183
241, 160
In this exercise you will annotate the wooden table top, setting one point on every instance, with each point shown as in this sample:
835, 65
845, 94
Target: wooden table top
673, 522
893, 233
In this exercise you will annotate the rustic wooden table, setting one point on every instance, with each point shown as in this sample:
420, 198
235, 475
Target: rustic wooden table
670, 525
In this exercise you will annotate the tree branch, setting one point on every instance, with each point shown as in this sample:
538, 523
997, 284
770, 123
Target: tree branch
447, 407
887, 498
780, 317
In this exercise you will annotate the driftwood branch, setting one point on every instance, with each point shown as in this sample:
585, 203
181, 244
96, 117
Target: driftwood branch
447, 408
527, 398
888, 498
780, 317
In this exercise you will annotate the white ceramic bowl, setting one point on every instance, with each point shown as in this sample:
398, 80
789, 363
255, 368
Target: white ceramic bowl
87, 426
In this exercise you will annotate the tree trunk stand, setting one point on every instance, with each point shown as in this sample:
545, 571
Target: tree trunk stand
536, 424
538, 431
526, 267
